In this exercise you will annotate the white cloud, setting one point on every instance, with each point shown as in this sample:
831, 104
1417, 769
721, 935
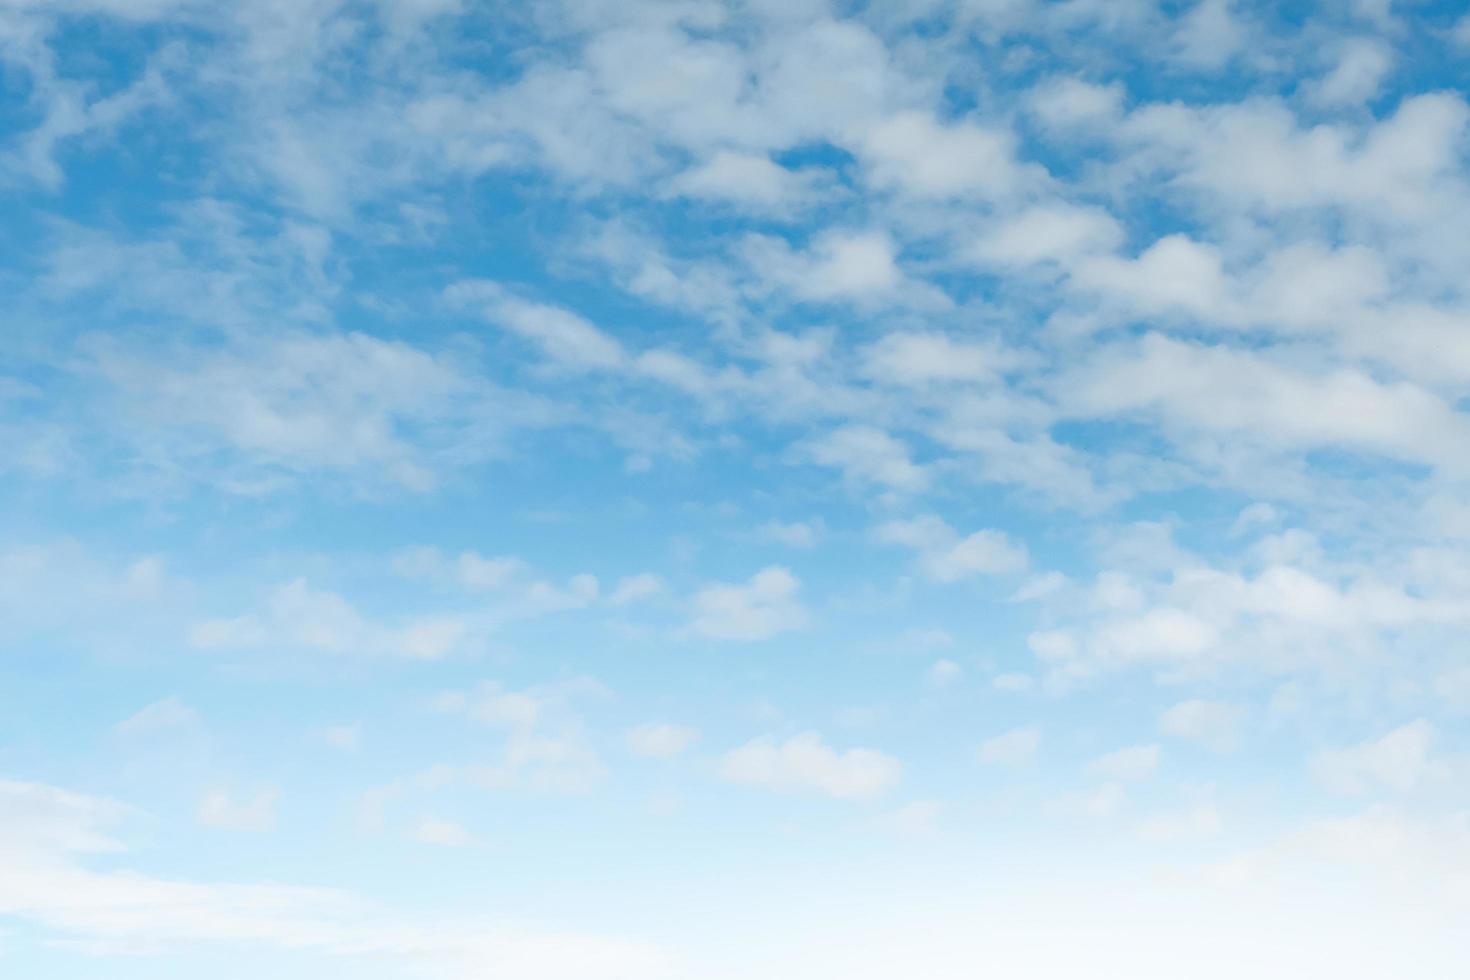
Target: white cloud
1013, 748
60, 585
1453, 687
1164, 633
946, 557
918, 360
544, 749
805, 762
298, 617
256, 814
796, 534
491, 704
917, 819
1194, 388
40, 820
661, 741
838, 266
565, 337
347, 738
761, 608
45, 832
1177, 614
1399, 761
1104, 802
1175, 274
510, 580
748, 179
1069, 106
1052, 646
68, 114
296, 404
1460, 33
165, 714
1040, 586
477, 572
1362, 65
1210, 34
635, 588
943, 673
1213, 723
562, 763
871, 455
1133, 763
442, 833
1013, 682
1054, 233
1198, 822
1256, 515
1255, 156
916, 155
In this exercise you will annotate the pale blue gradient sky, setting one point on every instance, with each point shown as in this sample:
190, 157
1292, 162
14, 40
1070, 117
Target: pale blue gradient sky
956, 488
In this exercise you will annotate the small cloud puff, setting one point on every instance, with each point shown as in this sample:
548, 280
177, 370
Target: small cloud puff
759, 609
805, 762
660, 741
1013, 748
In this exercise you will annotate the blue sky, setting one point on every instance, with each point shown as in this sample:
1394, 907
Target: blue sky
616, 490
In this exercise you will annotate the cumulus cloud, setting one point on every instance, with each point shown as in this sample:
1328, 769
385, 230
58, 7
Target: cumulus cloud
255, 814
943, 673
167, 713
750, 180
544, 746
441, 833
796, 534
1253, 396
744, 252
296, 404
1399, 761
635, 588
946, 556
1060, 234
46, 834
839, 266
661, 741
1132, 763
1213, 723
347, 738
915, 154
870, 455
918, 360
1182, 617
805, 762
762, 607
1069, 105
1013, 748
1362, 65
297, 616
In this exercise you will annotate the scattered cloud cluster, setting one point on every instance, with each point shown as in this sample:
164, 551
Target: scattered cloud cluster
357, 353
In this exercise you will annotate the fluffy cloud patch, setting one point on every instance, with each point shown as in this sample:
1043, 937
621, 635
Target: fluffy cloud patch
1399, 761
1213, 723
661, 741
945, 556
870, 455
1013, 748
759, 609
915, 154
1135, 762
255, 814
805, 762
160, 715
297, 616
